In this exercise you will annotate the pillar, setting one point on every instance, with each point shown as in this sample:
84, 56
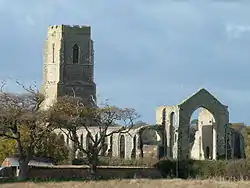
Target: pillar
214, 143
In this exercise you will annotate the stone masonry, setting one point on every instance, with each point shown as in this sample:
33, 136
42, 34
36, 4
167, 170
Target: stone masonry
68, 63
210, 137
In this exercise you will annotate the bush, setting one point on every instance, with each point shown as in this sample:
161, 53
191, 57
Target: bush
234, 169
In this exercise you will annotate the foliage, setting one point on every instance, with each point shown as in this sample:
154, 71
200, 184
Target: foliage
54, 147
22, 112
236, 169
194, 122
51, 146
246, 135
7, 148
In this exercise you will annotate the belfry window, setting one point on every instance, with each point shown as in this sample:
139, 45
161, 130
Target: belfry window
75, 54
53, 53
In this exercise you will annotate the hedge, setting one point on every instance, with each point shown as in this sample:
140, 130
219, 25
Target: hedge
232, 169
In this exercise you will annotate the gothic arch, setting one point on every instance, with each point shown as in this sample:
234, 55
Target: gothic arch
159, 132
204, 99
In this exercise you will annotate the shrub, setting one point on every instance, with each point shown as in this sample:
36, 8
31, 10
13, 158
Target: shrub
233, 169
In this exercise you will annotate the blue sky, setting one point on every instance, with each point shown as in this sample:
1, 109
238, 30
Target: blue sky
148, 53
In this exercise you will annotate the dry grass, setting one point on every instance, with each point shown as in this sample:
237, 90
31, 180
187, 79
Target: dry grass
134, 183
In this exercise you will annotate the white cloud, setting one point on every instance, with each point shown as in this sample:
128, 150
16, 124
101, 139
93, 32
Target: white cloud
235, 31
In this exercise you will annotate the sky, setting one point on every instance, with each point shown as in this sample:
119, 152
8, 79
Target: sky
147, 53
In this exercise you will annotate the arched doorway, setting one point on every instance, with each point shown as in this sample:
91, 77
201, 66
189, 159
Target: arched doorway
201, 132
202, 124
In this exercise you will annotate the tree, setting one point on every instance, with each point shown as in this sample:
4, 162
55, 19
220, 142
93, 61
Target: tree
51, 146
23, 111
69, 114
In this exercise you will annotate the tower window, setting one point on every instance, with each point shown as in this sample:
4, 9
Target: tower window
75, 54
53, 53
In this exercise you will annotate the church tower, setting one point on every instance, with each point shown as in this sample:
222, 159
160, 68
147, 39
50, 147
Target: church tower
68, 63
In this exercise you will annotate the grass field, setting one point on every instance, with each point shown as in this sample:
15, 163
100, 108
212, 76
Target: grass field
133, 184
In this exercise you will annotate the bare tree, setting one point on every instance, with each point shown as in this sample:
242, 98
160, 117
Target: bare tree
69, 114
19, 112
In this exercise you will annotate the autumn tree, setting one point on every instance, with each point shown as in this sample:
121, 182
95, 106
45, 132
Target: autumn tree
51, 146
23, 111
70, 114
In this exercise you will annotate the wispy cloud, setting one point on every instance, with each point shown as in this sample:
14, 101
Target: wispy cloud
236, 31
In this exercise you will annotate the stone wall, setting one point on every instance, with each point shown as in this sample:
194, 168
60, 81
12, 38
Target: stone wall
115, 145
105, 172
150, 151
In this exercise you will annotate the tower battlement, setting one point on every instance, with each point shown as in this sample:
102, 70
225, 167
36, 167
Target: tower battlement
82, 29
68, 26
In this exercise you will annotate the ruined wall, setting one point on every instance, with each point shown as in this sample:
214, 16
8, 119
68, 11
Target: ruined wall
115, 144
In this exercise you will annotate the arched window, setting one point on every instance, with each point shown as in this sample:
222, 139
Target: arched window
110, 150
122, 146
53, 53
81, 140
75, 54
88, 141
164, 117
133, 153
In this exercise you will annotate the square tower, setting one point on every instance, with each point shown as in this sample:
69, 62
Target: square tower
68, 63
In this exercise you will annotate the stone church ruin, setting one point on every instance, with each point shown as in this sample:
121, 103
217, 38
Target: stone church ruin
213, 138
69, 66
